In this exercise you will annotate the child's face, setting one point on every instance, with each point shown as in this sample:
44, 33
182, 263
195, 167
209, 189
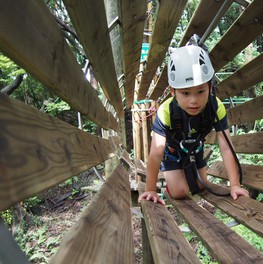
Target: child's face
193, 99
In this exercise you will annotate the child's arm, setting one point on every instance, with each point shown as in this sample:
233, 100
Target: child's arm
153, 166
231, 166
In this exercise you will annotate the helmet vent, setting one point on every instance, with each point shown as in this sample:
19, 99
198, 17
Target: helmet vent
201, 58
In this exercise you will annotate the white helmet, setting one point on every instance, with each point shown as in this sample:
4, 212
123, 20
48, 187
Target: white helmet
188, 66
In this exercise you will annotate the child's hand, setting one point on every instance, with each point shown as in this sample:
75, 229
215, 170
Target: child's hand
237, 191
151, 196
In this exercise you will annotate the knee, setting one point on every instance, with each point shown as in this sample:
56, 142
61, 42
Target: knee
179, 193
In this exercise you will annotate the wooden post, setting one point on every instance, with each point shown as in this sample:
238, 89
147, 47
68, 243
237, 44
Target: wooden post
144, 132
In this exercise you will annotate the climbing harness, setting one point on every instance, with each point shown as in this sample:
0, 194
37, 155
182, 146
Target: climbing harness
193, 146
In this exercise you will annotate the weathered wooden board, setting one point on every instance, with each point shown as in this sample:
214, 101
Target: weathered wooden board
168, 16
224, 244
246, 112
30, 36
245, 29
249, 143
161, 84
38, 151
90, 21
202, 19
246, 143
246, 77
252, 174
245, 210
167, 242
103, 233
132, 19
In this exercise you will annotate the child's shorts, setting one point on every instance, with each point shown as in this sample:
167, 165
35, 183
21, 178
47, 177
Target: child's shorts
173, 159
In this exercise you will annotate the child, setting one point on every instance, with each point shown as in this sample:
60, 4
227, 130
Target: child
181, 124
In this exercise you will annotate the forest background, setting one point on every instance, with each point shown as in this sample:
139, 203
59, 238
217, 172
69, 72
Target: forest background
25, 218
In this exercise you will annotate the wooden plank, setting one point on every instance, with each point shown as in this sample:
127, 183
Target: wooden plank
246, 112
103, 232
30, 36
168, 16
245, 210
38, 151
141, 169
246, 77
248, 143
167, 242
132, 21
10, 252
201, 19
245, 29
224, 244
90, 21
252, 174
161, 84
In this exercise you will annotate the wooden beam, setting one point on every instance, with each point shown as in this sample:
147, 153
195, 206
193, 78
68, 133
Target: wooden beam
161, 84
201, 19
243, 31
252, 174
132, 21
246, 77
244, 210
38, 151
248, 143
167, 242
246, 112
104, 231
90, 21
30, 36
168, 16
223, 243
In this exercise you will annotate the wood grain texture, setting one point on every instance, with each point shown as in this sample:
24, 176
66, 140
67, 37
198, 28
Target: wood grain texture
160, 85
168, 244
103, 233
246, 112
244, 30
248, 143
90, 21
245, 210
38, 151
226, 246
252, 174
249, 75
30, 36
168, 16
133, 15
245, 143
202, 18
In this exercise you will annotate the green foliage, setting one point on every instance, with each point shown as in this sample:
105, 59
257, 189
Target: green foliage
7, 216
252, 238
260, 197
53, 108
32, 202
8, 71
35, 244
